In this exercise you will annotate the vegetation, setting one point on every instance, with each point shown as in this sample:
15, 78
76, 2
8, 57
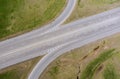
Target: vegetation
10, 75
91, 61
15, 19
19, 16
86, 8
54, 71
110, 72
19, 71
104, 1
92, 66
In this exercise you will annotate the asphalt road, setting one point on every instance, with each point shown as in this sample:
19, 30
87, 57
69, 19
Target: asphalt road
28, 50
29, 38
88, 34
23, 41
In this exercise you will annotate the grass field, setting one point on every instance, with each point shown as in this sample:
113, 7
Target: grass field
110, 72
86, 8
97, 60
20, 16
10, 75
89, 71
19, 71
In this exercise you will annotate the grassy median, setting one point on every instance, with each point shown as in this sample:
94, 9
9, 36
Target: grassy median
20, 16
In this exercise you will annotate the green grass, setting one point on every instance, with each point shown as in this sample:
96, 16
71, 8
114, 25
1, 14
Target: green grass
89, 71
110, 72
7, 8
10, 75
19, 71
54, 71
19, 16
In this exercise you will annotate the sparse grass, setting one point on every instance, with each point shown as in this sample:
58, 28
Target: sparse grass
110, 72
54, 71
19, 71
104, 1
85, 8
19, 16
69, 63
92, 66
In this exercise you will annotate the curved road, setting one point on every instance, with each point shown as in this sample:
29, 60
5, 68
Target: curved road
60, 37
29, 38
13, 44
92, 35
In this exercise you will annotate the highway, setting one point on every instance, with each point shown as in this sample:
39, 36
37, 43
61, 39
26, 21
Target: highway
22, 41
50, 57
88, 34
56, 39
60, 37
29, 38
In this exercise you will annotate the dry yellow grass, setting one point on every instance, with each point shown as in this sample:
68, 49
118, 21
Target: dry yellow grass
86, 8
67, 65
